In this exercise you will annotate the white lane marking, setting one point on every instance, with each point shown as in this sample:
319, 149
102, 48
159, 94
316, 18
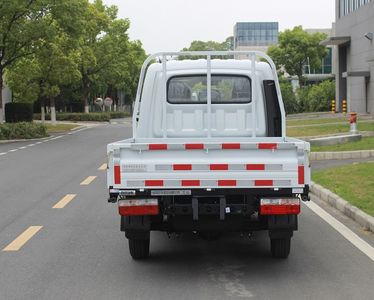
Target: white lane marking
38, 143
358, 242
31, 145
55, 138
3, 153
21, 148
13, 150
78, 130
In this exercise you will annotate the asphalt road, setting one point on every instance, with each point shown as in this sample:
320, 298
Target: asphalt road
78, 252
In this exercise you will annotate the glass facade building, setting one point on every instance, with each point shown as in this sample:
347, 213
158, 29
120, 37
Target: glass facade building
247, 34
326, 65
348, 6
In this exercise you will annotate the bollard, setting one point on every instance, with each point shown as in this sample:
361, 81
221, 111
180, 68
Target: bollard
333, 107
344, 107
353, 122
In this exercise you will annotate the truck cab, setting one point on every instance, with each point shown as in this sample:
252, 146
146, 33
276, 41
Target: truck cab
209, 152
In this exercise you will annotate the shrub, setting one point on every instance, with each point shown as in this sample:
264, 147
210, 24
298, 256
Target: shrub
303, 99
317, 97
320, 96
18, 112
289, 98
118, 114
77, 117
22, 130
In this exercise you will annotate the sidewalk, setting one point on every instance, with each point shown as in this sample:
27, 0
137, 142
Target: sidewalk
326, 115
80, 123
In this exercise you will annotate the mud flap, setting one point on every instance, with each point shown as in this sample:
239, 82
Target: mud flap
136, 227
282, 226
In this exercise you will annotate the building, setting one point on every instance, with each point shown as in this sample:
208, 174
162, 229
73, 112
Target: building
353, 38
327, 62
7, 95
255, 36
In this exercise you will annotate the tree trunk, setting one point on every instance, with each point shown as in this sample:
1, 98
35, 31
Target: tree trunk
42, 109
86, 91
53, 111
86, 107
1, 97
85, 99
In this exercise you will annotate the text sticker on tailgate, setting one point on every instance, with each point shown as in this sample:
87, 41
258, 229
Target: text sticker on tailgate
134, 168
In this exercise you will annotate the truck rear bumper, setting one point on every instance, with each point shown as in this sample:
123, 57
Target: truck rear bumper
114, 193
212, 210
279, 226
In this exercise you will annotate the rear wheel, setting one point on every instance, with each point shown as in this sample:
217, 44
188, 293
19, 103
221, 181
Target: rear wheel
139, 249
280, 248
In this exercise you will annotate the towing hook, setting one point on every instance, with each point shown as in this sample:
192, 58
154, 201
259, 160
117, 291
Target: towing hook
112, 200
305, 198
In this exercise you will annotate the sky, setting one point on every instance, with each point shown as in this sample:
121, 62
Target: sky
170, 25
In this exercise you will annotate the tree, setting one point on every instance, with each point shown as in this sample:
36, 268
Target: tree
124, 73
58, 66
22, 26
208, 46
82, 50
105, 41
297, 48
23, 79
54, 61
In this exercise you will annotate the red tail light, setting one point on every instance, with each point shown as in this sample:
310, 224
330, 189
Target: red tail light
138, 207
117, 174
280, 206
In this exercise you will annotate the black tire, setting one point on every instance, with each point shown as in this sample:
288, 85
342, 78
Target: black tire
280, 248
139, 249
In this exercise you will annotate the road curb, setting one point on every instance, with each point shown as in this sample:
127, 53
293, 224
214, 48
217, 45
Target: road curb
362, 218
341, 155
335, 140
25, 140
44, 138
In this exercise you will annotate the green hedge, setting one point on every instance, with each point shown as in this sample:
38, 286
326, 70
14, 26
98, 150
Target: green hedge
22, 130
76, 117
18, 112
310, 98
118, 114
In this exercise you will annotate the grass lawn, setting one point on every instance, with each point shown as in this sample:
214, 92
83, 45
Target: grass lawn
367, 143
301, 122
60, 127
354, 183
327, 129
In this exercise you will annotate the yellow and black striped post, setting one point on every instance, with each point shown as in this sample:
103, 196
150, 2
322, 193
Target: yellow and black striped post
333, 107
344, 107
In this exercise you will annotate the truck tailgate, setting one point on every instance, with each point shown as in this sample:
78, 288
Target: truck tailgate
249, 164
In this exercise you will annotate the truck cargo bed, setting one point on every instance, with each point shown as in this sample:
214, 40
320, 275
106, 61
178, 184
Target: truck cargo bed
208, 163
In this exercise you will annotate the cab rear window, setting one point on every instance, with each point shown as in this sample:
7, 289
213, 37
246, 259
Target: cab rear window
225, 89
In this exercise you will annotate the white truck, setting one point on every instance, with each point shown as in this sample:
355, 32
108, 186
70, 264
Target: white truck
209, 152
